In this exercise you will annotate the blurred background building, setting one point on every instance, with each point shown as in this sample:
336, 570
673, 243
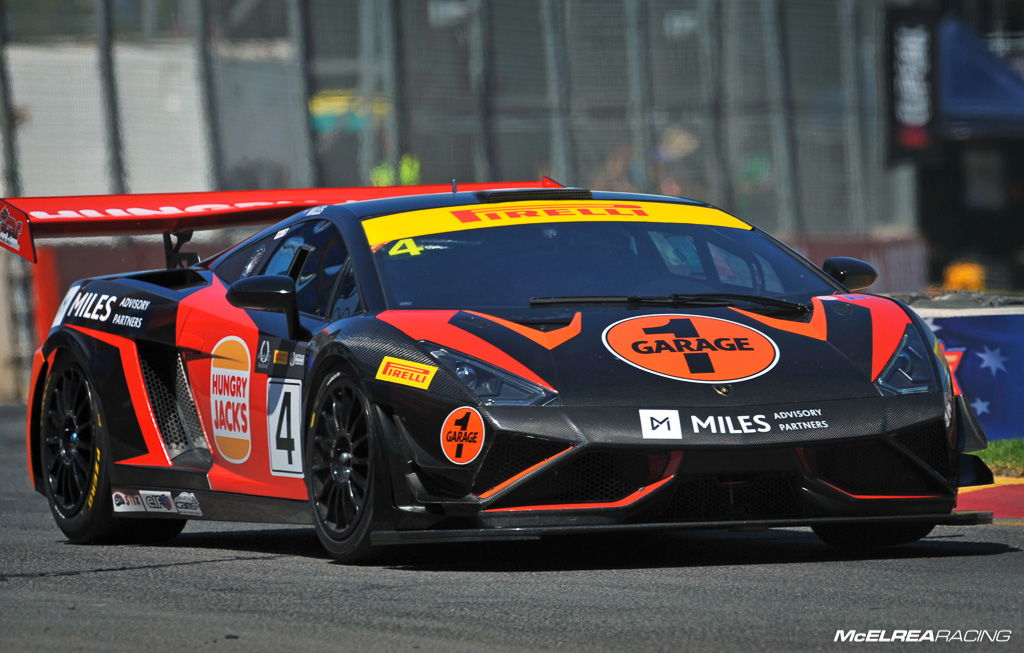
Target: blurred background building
775, 110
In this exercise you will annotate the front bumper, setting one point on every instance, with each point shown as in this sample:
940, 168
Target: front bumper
554, 467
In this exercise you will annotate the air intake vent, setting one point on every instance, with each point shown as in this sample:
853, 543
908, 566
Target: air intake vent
525, 195
167, 386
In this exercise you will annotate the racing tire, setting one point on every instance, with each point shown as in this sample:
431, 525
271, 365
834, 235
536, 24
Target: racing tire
74, 458
853, 538
340, 469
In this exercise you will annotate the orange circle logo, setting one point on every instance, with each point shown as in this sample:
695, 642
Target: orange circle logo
462, 435
692, 347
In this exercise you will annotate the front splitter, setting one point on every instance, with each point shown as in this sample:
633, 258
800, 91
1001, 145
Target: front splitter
956, 518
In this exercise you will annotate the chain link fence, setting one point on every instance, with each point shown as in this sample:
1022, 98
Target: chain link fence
771, 109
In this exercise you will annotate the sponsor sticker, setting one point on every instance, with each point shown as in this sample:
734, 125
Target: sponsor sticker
316, 210
671, 425
412, 224
157, 501
229, 398
125, 501
264, 354
692, 348
462, 435
297, 359
284, 426
397, 370
660, 425
280, 357
186, 503
92, 306
10, 229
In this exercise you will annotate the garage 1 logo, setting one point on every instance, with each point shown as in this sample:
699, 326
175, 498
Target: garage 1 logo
692, 347
229, 398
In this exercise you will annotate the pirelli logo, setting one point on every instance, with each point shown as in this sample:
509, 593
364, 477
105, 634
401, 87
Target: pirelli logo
406, 372
587, 210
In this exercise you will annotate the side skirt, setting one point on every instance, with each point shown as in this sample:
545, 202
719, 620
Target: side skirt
209, 506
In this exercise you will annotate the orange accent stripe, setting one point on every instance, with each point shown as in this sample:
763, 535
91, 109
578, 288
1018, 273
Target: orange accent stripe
546, 339
882, 496
625, 501
504, 484
156, 455
817, 328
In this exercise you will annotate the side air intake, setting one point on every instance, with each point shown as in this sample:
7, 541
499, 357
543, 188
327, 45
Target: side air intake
163, 372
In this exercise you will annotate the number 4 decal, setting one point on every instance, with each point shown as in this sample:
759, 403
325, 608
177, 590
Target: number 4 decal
284, 424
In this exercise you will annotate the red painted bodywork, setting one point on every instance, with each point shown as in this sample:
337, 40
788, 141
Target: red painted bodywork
436, 327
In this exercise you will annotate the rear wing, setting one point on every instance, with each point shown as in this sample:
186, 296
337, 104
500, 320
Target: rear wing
25, 219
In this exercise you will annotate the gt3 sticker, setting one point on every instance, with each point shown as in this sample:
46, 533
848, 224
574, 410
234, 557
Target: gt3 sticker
186, 503
284, 424
692, 348
229, 397
462, 435
397, 370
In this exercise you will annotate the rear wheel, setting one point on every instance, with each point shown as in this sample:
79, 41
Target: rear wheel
340, 469
75, 462
864, 537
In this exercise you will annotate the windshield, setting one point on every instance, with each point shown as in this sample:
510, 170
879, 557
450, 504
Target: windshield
507, 267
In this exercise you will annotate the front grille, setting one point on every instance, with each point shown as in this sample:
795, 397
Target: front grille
510, 454
868, 468
712, 499
591, 476
163, 373
928, 442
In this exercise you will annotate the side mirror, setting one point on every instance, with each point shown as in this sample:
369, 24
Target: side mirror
853, 273
268, 292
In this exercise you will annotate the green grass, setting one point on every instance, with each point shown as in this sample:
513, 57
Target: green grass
1005, 457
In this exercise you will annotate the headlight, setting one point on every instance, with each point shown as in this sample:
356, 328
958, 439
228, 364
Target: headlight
494, 386
911, 369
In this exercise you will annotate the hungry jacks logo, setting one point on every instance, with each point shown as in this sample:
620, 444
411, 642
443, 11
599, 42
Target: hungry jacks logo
692, 347
229, 398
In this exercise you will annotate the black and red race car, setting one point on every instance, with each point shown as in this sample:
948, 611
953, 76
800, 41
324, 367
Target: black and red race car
493, 362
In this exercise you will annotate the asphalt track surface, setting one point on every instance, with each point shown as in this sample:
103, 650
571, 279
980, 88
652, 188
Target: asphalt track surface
240, 587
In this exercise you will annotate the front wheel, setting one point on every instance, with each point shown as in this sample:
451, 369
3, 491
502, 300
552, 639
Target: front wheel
340, 469
865, 537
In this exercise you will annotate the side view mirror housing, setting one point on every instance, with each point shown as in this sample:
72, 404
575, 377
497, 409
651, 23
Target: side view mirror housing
853, 273
268, 292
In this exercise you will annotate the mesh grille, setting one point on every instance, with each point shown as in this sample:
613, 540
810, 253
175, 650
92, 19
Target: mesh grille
589, 477
708, 499
867, 468
511, 454
928, 442
169, 395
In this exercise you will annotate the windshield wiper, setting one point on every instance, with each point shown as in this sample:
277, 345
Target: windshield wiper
678, 299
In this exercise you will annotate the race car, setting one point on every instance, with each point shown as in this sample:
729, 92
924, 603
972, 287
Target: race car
495, 361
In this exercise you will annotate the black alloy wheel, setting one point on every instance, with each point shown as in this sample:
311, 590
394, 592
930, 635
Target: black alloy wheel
69, 452
340, 468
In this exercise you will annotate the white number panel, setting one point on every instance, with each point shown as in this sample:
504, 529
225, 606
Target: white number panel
284, 426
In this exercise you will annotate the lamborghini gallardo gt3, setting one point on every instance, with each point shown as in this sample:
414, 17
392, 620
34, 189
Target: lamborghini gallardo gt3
496, 362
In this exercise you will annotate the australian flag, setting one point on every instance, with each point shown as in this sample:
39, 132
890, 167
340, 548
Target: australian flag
986, 354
